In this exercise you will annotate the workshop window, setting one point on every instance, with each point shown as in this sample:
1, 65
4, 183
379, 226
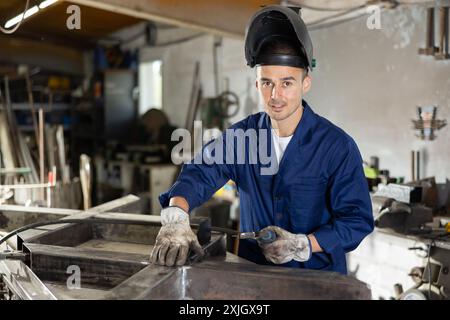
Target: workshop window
150, 85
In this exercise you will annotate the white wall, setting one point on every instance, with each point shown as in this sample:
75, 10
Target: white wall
178, 70
368, 82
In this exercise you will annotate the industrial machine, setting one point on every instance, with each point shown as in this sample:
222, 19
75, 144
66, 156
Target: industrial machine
411, 211
215, 111
432, 281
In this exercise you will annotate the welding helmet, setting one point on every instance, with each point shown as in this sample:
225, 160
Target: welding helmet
280, 22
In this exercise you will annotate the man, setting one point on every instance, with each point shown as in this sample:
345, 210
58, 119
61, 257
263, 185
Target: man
316, 201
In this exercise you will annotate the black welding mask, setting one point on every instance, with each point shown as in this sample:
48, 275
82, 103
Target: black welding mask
280, 22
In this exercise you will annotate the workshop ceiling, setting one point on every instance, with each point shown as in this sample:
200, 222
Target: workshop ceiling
50, 23
100, 18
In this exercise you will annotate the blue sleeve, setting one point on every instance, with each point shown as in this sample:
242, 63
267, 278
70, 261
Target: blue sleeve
202, 177
350, 203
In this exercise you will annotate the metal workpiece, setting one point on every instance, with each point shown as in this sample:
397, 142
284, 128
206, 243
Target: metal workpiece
230, 280
112, 260
22, 283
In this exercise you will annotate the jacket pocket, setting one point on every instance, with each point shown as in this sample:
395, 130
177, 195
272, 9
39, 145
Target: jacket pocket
307, 200
308, 192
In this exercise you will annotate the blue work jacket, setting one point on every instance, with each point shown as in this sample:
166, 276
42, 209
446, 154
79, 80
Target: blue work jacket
319, 187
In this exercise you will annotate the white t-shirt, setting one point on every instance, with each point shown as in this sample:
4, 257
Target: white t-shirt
280, 144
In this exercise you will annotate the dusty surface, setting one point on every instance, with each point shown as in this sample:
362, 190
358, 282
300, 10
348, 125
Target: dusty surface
114, 246
62, 292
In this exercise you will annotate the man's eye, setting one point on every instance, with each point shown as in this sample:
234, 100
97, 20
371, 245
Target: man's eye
287, 84
266, 83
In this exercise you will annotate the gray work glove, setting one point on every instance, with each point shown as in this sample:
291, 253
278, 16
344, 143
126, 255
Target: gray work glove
287, 247
174, 239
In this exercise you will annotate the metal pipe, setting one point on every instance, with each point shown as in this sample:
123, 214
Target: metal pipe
430, 28
41, 145
443, 52
418, 165
31, 102
430, 49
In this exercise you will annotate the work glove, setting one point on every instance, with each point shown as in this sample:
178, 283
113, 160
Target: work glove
286, 247
174, 239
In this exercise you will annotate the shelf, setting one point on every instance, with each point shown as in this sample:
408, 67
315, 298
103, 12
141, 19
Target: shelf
29, 128
55, 107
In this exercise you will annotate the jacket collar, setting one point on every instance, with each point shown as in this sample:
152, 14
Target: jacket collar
303, 131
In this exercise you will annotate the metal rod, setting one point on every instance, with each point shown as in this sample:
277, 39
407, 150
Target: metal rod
41, 145
11, 123
418, 165
14, 171
31, 102
413, 169
24, 186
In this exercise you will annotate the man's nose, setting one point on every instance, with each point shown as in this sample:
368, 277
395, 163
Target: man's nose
275, 92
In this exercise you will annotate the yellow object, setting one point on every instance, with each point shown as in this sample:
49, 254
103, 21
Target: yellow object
370, 173
227, 192
58, 83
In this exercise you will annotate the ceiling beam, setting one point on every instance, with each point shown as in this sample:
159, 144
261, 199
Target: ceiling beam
220, 17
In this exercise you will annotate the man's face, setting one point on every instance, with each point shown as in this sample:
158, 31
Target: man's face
281, 89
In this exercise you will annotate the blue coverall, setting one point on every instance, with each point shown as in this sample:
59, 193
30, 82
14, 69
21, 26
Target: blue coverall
319, 188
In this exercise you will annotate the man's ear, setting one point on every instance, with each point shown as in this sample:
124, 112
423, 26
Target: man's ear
256, 84
306, 84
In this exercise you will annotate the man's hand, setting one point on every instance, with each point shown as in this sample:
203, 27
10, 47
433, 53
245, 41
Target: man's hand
174, 239
287, 247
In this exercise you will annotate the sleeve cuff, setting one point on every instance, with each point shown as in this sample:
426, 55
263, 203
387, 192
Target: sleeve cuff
310, 247
328, 240
179, 190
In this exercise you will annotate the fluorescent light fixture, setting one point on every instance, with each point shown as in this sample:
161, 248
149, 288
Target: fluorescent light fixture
46, 3
16, 19
31, 11
13, 21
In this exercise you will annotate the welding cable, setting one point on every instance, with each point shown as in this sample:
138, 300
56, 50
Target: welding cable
98, 220
10, 31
